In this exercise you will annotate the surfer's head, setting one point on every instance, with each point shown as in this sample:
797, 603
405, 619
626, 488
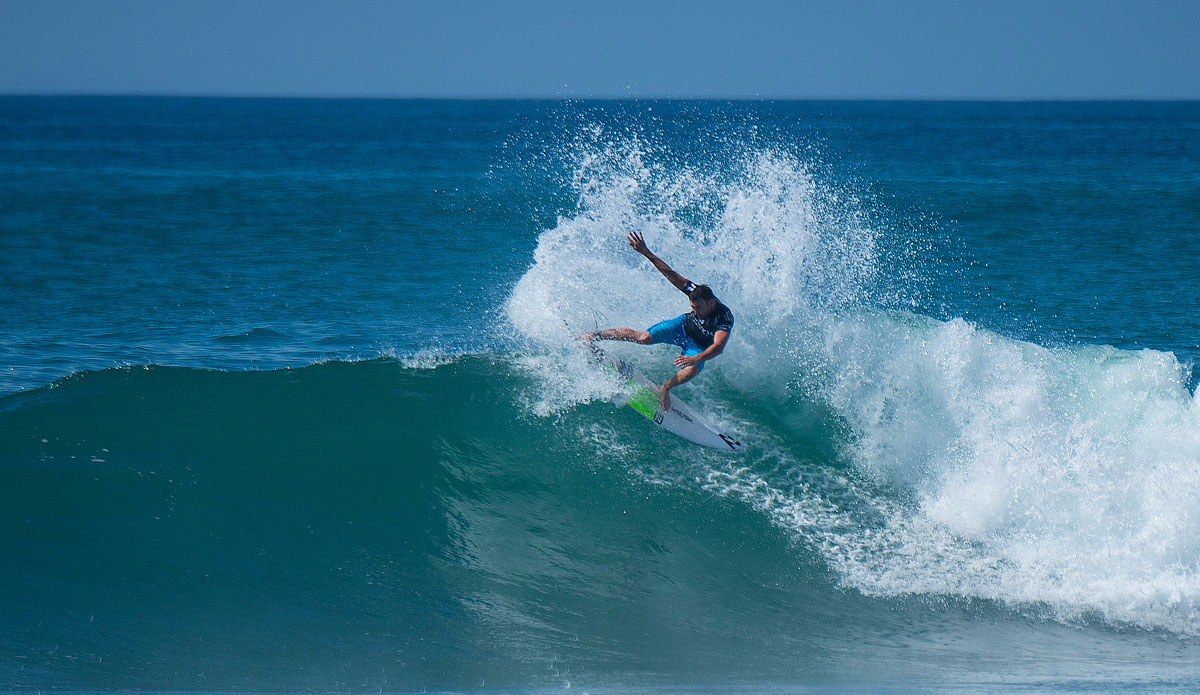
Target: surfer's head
703, 301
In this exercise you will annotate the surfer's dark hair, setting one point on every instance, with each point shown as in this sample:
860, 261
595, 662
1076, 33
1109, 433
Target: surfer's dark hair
702, 292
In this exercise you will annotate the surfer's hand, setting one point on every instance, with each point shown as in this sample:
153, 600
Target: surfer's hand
686, 360
664, 400
637, 242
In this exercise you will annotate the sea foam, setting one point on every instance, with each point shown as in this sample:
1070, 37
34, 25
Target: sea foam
1064, 476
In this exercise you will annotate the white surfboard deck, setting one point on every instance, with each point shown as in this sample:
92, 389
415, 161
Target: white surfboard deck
680, 419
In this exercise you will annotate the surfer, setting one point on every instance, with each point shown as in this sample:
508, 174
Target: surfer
701, 333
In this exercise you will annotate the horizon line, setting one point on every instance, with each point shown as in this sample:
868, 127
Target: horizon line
601, 97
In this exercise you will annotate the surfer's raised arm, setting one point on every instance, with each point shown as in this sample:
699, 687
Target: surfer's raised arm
639, 245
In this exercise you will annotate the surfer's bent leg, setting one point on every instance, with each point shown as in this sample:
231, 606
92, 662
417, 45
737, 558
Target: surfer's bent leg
682, 376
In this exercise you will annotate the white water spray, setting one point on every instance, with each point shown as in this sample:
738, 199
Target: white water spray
993, 468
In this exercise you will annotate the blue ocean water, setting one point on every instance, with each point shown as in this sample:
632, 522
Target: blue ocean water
289, 401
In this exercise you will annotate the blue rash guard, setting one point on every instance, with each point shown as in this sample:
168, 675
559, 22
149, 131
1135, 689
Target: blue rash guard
691, 333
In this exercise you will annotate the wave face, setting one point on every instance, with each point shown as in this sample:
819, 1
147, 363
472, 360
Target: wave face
366, 525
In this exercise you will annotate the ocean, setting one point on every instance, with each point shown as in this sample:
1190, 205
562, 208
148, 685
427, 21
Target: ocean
290, 399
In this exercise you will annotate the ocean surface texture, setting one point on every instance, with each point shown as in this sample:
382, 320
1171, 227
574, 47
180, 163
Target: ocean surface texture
290, 400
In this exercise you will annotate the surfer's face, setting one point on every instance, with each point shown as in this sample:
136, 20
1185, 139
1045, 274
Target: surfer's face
703, 307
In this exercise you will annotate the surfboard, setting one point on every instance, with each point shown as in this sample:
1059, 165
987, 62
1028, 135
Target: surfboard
680, 419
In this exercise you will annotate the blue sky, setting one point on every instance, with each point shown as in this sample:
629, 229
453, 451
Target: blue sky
529, 48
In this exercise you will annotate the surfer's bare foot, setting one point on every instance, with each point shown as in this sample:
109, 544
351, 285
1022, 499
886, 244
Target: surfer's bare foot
589, 340
664, 399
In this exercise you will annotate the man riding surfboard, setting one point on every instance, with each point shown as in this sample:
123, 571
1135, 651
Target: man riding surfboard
701, 333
